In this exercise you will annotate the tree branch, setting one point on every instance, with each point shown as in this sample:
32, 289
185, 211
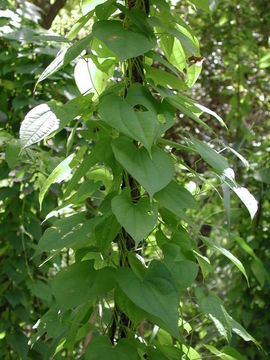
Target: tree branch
49, 12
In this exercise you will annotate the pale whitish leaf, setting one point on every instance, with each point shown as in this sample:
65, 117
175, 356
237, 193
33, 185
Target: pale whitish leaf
37, 124
226, 253
210, 112
44, 119
138, 219
89, 78
240, 157
89, 5
60, 173
247, 198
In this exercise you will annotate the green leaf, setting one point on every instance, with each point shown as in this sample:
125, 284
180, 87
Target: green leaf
218, 353
264, 61
123, 42
212, 307
68, 232
204, 263
220, 165
138, 219
134, 313
152, 173
60, 173
99, 153
175, 198
203, 4
163, 78
65, 56
88, 161
174, 101
140, 95
187, 39
213, 158
191, 353
106, 231
184, 272
193, 72
12, 153
18, 342
173, 51
226, 253
81, 283
141, 126
101, 348
79, 25
156, 294
263, 175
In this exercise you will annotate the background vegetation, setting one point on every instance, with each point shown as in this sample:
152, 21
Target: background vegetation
42, 315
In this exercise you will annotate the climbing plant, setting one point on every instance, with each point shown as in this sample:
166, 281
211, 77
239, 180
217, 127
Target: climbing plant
127, 262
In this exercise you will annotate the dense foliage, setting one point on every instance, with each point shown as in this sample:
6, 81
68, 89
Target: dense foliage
134, 180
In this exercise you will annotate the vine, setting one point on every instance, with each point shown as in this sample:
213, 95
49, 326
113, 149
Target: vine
131, 275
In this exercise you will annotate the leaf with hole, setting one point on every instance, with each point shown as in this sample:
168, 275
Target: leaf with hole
152, 173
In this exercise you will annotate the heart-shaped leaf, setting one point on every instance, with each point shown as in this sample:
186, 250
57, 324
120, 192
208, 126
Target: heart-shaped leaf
80, 283
101, 348
152, 173
156, 294
141, 126
138, 219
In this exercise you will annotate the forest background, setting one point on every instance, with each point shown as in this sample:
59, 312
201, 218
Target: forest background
228, 234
